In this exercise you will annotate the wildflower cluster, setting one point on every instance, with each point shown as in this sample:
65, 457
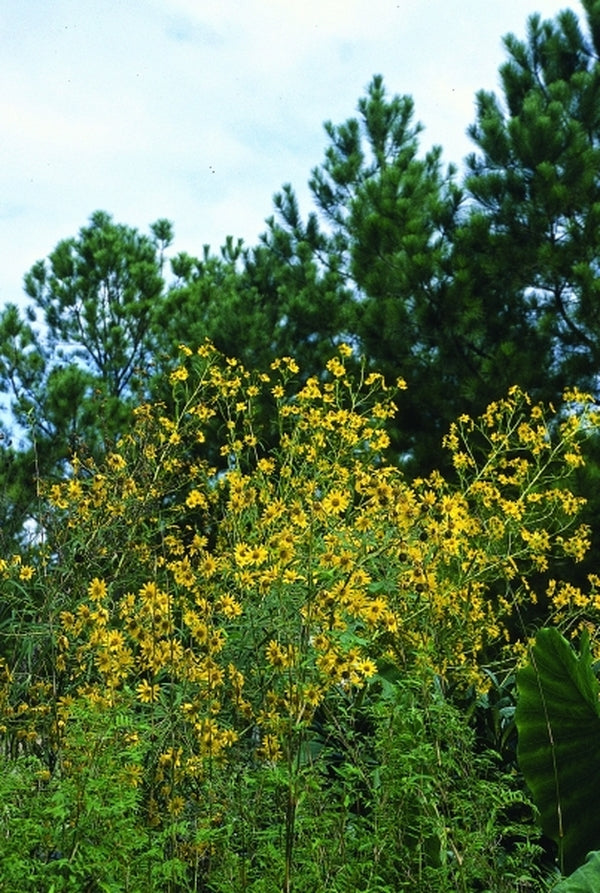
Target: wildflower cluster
247, 554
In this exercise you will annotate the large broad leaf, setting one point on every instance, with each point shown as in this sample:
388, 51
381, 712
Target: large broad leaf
558, 721
585, 880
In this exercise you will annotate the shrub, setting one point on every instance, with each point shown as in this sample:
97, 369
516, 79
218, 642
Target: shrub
220, 589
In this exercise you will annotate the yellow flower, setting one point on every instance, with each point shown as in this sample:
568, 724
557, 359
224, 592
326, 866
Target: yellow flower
176, 805
26, 572
366, 667
246, 555
97, 590
379, 440
335, 502
116, 462
270, 750
179, 374
196, 499
208, 566
132, 775
57, 498
336, 367
375, 378
228, 606
74, 489
574, 459
311, 390
147, 693
279, 658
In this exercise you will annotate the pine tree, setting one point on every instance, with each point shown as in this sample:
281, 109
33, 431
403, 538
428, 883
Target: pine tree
528, 255
72, 362
371, 263
531, 245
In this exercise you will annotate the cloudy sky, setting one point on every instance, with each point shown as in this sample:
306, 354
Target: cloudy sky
199, 110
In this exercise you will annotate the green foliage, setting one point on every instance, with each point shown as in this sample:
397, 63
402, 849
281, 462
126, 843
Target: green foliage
97, 295
457, 822
388, 797
586, 879
77, 827
72, 362
558, 720
373, 260
255, 659
210, 299
537, 203
243, 651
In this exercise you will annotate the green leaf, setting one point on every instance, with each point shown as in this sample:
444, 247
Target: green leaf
558, 721
585, 880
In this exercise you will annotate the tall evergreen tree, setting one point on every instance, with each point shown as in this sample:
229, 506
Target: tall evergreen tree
530, 245
71, 363
391, 213
298, 273
529, 253
97, 294
371, 263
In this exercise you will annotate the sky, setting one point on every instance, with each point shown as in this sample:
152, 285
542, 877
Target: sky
200, 110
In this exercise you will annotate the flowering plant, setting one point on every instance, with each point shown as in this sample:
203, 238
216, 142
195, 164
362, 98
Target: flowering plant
250, 554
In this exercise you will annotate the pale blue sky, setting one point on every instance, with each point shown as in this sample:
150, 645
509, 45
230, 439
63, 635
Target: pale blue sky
199, 110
